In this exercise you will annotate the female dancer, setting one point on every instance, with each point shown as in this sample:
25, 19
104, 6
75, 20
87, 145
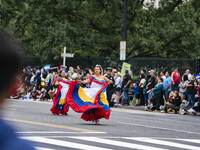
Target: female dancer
60, 105
91, 101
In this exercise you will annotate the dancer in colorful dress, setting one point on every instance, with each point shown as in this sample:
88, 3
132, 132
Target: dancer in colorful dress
60, 105
92, 102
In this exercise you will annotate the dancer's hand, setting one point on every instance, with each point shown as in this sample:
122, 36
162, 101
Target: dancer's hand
79, 81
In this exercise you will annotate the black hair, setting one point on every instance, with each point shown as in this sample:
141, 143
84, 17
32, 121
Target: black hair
143, 70
11, 59
161, 79
185, 77
79, 66
167, 71
162, 71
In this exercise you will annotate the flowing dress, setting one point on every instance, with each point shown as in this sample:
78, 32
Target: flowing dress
92, 102
60, 105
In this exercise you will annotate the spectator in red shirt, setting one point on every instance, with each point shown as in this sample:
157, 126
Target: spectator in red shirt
175, 80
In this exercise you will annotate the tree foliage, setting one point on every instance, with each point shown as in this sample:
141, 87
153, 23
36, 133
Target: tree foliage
94, 28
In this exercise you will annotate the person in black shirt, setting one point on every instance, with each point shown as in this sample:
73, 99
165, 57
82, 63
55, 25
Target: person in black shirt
110, 88
151, 84
190, 90
126, 85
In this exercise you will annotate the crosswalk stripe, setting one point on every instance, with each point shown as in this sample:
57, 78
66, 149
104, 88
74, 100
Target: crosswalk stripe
190, 140
161, 142
41, 148
115, 143
63, 143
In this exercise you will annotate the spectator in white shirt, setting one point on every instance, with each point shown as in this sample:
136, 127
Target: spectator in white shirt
162, 75
118, 85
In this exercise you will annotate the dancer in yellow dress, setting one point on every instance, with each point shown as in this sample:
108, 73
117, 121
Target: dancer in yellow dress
92, 102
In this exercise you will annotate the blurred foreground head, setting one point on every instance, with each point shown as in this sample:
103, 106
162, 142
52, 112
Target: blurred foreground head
11, 60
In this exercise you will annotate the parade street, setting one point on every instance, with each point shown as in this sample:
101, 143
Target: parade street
126, 129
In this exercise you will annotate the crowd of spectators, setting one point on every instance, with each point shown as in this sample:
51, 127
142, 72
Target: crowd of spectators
163, 91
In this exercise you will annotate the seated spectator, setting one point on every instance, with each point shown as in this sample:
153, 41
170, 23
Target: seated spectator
152, 104
21, 91
52, 93
33, 79
157, 91
113, 100
173, 103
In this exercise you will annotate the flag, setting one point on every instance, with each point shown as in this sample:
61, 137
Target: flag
47, 67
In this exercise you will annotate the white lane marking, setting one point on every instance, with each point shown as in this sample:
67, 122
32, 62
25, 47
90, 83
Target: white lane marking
42, 148
160, 128
63, 143
190, 140
58, 132
161, 142
30, 101
115, 143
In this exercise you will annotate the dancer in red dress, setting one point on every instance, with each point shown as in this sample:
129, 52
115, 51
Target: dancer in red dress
60, 105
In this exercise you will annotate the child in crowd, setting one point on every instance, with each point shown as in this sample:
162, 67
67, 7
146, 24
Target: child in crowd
114, 100
137, 94
52, 93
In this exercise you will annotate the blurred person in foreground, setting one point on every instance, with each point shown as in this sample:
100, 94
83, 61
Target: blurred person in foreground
10, 63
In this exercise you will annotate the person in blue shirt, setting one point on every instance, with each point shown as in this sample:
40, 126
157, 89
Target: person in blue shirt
167, 85
197, 77
157, 91
11, 60
137, 94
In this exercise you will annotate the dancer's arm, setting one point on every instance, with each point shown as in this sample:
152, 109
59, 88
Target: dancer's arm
108, 81
85, 81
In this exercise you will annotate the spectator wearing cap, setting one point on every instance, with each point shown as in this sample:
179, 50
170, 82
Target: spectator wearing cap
151, 84
175, 80
110, 88
126, 85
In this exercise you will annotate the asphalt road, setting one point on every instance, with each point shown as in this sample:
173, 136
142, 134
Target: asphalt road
126, 129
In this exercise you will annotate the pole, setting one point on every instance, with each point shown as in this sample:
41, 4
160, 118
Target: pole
64, 57
125, 21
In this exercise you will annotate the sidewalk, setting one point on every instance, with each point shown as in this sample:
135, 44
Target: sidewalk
143, 108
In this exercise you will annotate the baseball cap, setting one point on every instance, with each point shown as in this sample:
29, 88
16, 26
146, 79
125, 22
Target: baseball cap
152, 71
